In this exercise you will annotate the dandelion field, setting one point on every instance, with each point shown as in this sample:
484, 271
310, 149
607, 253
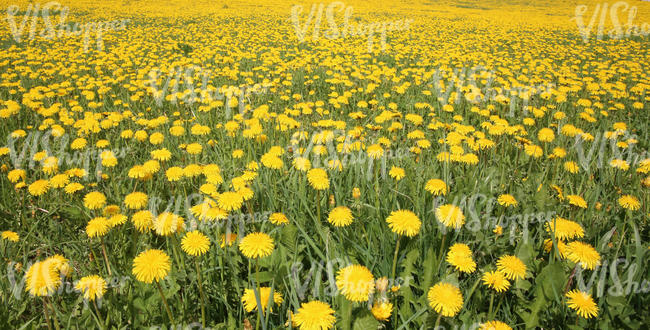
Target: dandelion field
358, 165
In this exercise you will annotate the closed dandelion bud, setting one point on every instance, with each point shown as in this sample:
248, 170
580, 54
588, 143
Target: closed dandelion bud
498, 230
394, 288
382, 284
4, 168
356, 193
599, 206
332, 202
18, 266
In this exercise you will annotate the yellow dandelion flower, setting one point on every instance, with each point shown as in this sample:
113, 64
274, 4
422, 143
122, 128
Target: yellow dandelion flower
340, 216
256, 245
445, 298
496, 280
92, 287
250, 302
314, 315
582, 303
404, 222
195, 243
584, 254
512, 267
436, 187
355, 282
450, 215
151, 265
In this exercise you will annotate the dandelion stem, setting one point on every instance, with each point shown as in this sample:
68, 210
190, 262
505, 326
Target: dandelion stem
108, 266
169, 311
442, 248
490, 310
438, 321
54, 319
200, 284
99, 315
392, 272
47, 315
318, 205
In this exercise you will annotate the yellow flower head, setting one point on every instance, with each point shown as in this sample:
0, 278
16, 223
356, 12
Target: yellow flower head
92, 287
450, 215
151, 265
355, 282
436, 187
256, 245
445, 298
404, 222
460, 256
496, 280
512, 267
584, 254
195, 243
340, 216
250, 303
318, 179
582, 303
314, 315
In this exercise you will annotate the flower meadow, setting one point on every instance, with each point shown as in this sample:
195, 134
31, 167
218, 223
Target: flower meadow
324, 165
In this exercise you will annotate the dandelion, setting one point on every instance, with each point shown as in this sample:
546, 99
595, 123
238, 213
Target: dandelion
256, 245
38, 187
153, 266
576, 200
496, 280
250, 302
584, 254
94, 200
460, 256
629, 202
382, 310
136, 200
450, 215
565, 229
494, 325
355, 282
507, 200
314, 315
404, 222
167, 224
436, 187
195, 243
340, 216
230, 201
317, 178
445, 298
397, 173
512, 267
92, 287
10, 236
582, 303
